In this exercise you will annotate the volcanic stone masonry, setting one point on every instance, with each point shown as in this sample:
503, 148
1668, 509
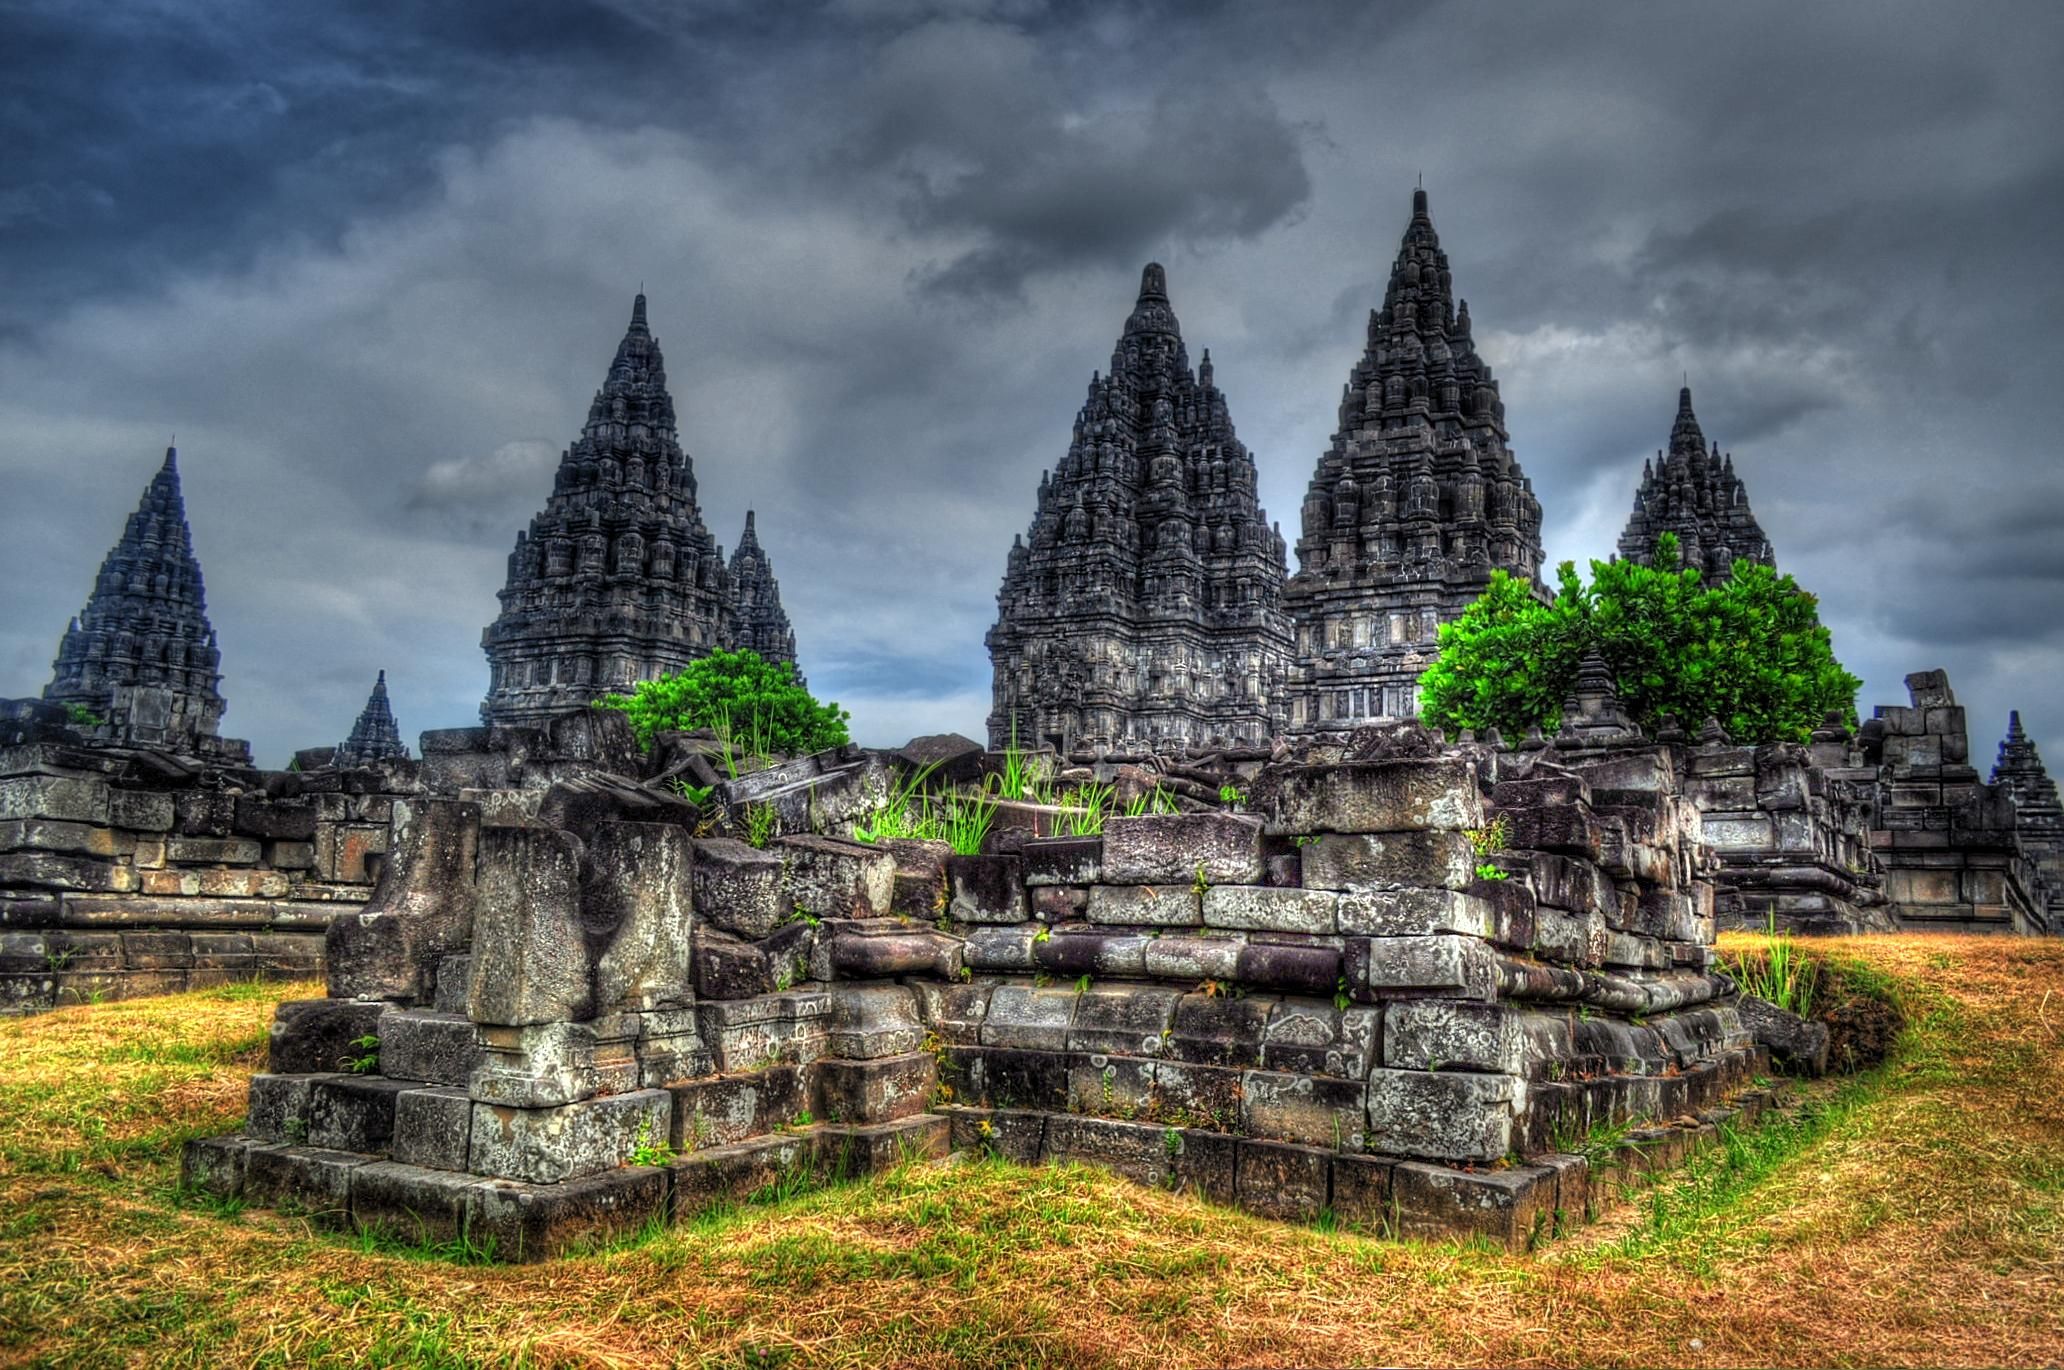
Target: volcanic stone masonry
141, 658
1145, 607
587, 1018
1416, 502
617, 580
1692, 491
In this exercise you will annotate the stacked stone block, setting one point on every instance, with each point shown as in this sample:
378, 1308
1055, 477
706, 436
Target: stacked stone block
127, 872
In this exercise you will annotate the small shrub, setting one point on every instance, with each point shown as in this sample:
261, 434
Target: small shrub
367, 1059
723, 686
760, 821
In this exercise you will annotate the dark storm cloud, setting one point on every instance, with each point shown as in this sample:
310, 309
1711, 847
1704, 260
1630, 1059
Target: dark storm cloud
370, 262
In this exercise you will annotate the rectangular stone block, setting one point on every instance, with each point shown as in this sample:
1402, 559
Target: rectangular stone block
955, 1012
79, 799
532, 1222
875, 1091
843, 1152
1142, 1152
311, 1036
1220, 1030
532, 963
1314, 1110
1146, 905
1459, 1034
302, 1180
1283, 1181
550, 1145
1074, 952
748, 1034
987, 889
1385, 967
215, 1165
433, 1127
1416, 912
279, 1107
871, 1021
213, 851
725, 1109
733, 1172
1195, 958
1181, 849
835, 879
1357, 862
547, 1064
420, 1044
352, 1112
411, 1204
728, 967
1444, 1115
1063, 860
260, 816
1513, 1207
140, 810
1361, 1192
739, 888
1377, 797
1125, 1020
1271, 909
1112, 1086
1314, 1037
1025, 1018
1017, 1135
45, 834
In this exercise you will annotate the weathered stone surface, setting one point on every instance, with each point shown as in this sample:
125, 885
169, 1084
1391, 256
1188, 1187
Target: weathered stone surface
1458, 1034
635, 891
1794, 1042
1128, 1020
1377, 797
548, 1145
412, 1204
433, 1127
544, 1064
1195, 958
1355, 862
1512, 1207
419, 1044
315, 1035
731, 968
1063, 860
880, 1090
1074, 952
1270, 909
844, 1151
730, 1108
1014, 1134
278, 1107
739, 888
1215, 848
1146, 905
1314, 1037
1280, 1180
305, 1180
215, 1165
1414, 912
1029, 1019
1315, 1110
1360, 1193
1218, 1030
530, 960
835, 879
1141, 1152
532, 1222
855, 955
732, 1172
987, 889
1383, 966
869, 1021
746, 1034
352, 1112
1445, 1115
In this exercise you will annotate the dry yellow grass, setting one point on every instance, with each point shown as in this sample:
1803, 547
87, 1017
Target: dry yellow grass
1910, 1218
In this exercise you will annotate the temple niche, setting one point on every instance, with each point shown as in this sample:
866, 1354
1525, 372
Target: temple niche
1413, 506
617, 580
1144, 607
1691, 490
140, 662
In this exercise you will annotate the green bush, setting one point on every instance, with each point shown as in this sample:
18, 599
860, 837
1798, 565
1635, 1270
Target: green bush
739, 691
1750, 651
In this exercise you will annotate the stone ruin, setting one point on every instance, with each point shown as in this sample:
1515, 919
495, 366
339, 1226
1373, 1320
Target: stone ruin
565, 1014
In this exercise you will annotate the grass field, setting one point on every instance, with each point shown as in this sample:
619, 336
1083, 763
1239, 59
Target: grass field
1911, 1216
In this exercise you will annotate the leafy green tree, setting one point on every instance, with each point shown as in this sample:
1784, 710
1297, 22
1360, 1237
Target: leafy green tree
1750, 651
741, 693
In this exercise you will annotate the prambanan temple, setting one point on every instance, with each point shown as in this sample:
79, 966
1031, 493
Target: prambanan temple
1149, 622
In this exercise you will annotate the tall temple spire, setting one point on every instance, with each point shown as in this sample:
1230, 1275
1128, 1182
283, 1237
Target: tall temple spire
141, 657
375, 736
1691, 490
2038, 813
761, 623
1415, 503
617, 579
1143, 608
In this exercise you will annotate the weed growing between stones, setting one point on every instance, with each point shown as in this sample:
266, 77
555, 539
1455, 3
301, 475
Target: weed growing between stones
1783, 975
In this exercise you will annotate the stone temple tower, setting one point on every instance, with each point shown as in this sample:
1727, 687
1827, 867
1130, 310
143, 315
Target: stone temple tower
141, 656
2039, 816
1144, 607
1691, 490
1415, 503
616, 580
375, 736
760, 624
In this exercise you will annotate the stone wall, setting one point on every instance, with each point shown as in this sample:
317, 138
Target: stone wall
1330, 1002
125, 871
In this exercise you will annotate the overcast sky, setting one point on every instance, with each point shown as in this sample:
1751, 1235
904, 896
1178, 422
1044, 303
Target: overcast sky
369, 262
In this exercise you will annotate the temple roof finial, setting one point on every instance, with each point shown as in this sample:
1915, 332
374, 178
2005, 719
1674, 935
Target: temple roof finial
638, 308
1153, 283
